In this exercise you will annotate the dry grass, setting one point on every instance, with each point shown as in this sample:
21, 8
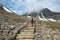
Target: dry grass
53, 25
12, 16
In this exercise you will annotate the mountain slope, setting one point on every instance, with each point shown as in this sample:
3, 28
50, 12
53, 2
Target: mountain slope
5, 13
49, 14
45, 15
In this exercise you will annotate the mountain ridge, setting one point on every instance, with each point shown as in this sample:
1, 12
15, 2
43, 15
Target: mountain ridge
45, 14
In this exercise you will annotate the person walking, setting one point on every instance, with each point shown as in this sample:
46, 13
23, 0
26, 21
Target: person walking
32, 21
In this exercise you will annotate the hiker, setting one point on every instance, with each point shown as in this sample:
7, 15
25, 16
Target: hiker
32, 21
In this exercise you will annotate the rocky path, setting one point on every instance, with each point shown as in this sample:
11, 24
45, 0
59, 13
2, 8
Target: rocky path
26, 33
39, 31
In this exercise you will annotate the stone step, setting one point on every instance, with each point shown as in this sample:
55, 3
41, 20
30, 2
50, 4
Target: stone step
31, 27
24, 34
31, 30
25, 39
28, 29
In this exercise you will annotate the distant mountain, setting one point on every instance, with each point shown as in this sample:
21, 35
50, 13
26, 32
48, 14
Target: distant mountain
49, 14
32, 14
45, 14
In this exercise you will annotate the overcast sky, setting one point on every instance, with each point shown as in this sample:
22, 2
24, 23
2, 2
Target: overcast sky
22, 6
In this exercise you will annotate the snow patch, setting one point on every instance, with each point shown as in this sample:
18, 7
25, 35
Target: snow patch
29, 16
7, 9
46, 19
51, 19
40, 18
43, 17
58, 20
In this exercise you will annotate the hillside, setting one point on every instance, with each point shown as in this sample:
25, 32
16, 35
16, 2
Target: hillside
10, 15
20, 27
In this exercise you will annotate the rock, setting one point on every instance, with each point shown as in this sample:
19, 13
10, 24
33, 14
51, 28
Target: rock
12, 27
